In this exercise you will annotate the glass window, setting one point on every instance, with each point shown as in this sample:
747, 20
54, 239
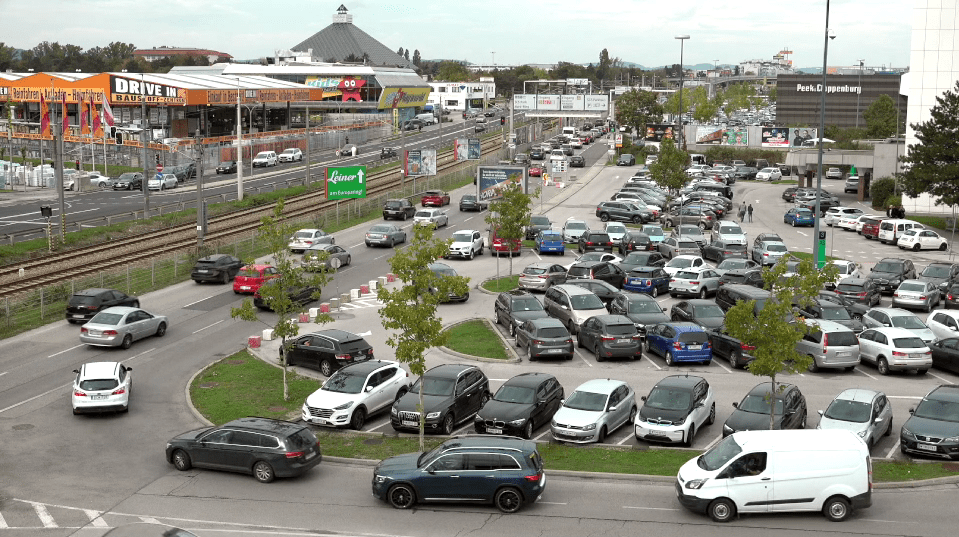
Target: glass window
452, 462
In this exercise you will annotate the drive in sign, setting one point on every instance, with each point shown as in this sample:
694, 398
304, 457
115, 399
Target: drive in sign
346, 182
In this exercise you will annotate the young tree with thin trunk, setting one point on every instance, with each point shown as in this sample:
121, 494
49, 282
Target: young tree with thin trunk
509, 215
669, 170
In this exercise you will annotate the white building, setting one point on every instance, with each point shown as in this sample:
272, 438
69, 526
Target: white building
458, 96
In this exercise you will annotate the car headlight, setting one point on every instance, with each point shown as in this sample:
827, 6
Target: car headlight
393, 411
552, 423
381, 478
696, 484
517, 423
433, 415
589, 427
344, 406
306, 409
907, 433
952, 439
727, 429
479, 419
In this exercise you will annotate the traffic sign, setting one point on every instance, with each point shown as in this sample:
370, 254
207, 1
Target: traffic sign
159, 176
160, 168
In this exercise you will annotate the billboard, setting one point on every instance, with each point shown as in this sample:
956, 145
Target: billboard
709, 134
799, 135
775, 137
345, 182
736, 136
524, 102
403, 97
466, 149
490, 180
420, 162
572, 102
547, 102
656, 132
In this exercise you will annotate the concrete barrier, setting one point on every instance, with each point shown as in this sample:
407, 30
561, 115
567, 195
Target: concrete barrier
364, 289
391, 277
254, 342
373, 285
382, 280
268, 334
316, 311
345, 298
354, 293
334, 304
304, 317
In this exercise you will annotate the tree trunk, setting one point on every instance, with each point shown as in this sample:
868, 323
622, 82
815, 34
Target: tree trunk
286, 388
772, 403
422, 412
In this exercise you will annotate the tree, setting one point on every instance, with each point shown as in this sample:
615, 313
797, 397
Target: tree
410, 309
406, 54
399, 52
932, 165
451, 71
774, 330
669, 170
277, 233
881, 118
417, 59
773, 94
602, 70
636, 108
510, 215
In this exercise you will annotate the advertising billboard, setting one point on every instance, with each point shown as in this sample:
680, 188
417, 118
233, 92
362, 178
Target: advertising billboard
775, 137
420, 162
490, 180
657, 132
403, 97
709, 134
524, 102
345, 182
799, 135
466, 149
736, 136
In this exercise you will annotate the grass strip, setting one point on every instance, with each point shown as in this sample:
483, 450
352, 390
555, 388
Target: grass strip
505, 283
476, 338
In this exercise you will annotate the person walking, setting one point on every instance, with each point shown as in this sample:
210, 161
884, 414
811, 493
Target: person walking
749, 211
742, 212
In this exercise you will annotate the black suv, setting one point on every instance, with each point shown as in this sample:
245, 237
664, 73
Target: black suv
83, 305
752, 413
129, 181
577, 161
328, 350
512, 471
537, 223
536, 154
520, 405
452, 394
263, 447
597, 270
469, 202
726, 346
941, 273
216, 268
636, 241
513, 308
400, 209
623, 211
595, 241
889, 272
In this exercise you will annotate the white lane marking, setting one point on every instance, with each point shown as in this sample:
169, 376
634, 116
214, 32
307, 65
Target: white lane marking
857, 370
375, 428
940, 378
45, 518
468, 219
149, 520
583, 358
198, 301
649, 357
544, 433
3, 523
95, 519
54, 207
717, 362
801, 233
650, 508
552, 503
358, 245
892, 450
462, 429
205, 327
623, 441
5, 372
377, 257
63, 351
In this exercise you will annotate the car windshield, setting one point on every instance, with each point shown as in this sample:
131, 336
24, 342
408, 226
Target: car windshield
106, 318
551, 236
707, 310
527, 304
576, 225
443, 271
669, 399
886, 267
717, 457
758, 404
615, 228
835, 314
908, 343
514, 394
303, 235
434, 386
913, 286
909, 322
345, 382
938, 410
462, 237
679, 262
423, 214
846, 410
686, 275
96, 385
733, 264
652, 230
644, 306
289, 151
380, 229
730, 230
849, 288
776, 248
937, 271
594, 402
586, 302
539, 221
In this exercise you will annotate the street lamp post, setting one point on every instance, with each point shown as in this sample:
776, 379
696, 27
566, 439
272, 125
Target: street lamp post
858, 93
819, 242
239, 144
682, 42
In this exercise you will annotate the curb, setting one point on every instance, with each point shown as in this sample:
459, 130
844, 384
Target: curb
189, 400
514, 360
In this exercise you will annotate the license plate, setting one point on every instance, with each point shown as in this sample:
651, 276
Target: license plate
492, 430
98, 397
203, 271
927, 447
245, 287
916, 355
554, 351
78, 316
95, 333
410, 423
622, 341
311, 455
843, 354
695, 347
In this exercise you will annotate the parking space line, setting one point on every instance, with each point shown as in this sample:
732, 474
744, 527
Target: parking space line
462, 429
892, 450
713, 443
552, 503
468, 219
4, 373
148, 519
45, 517
576, 351
857, 370
375, 428
623, 441
720, 364
358, 245
205, 327
544, 433
649, 357
651, 508
3, 523
940, 378
68, 350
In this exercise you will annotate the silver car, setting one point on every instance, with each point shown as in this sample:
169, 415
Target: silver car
597, 407
898, 318
894, 349
769, 253
321, 256
860, 410
916, 294
728, 232
830, 345
385, 235
436, 217
697, 282
672, 247
690, 232
542, 276
120, 326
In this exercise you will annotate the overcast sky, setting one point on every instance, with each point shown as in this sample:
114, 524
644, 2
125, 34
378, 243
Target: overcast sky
523, 31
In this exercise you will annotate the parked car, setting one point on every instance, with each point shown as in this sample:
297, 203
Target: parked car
728, 232
520, 405
624, 211
597, 270
400, 209
642, 259
120, 326
894, 349
676, 408
672, 247
684, 262
752, 413
733, 263
513, 308
84, 305
865, 412
304, 239
573, 229
594, 410
469, 202
572, 305
384, 235
162, 181
726, 346
603, 290
435, 198
945, 354
467, 244
264, 447
544, 337
932, 429
694, 282
251, 277
769, 253
452, 394
916, 294
721, 250
830, 344
102, 387
828, 310
649, 280
265, 158
442, 270
216, 268
769, 174
898, 318
635, 241
355, 392
291, 154
699, 311
328, 350
922, 239
679, 342
859, 290
941, 274
549, 241
538, 223
641, 309
944, 324
594, 241
798, 216
889, 272
610, 336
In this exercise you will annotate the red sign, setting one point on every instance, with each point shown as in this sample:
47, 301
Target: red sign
159, 169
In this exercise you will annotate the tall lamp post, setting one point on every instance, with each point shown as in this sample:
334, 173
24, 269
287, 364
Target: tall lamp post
239, 144
682, 76
858, 93
819, 241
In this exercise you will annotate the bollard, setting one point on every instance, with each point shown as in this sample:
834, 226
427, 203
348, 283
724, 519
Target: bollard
354, 293
254, 342
382, 281
304, 317
345, 298
335, 303
364, 289
391, 277
268, 334
325, 307
373, 285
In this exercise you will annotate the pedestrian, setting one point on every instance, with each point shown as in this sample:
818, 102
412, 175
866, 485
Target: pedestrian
742, 213
77, 164
749, 211
901, 211
889, 211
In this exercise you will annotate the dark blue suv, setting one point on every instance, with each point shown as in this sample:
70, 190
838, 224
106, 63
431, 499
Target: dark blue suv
503, 470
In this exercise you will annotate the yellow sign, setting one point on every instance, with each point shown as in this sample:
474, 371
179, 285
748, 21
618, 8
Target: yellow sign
403, 97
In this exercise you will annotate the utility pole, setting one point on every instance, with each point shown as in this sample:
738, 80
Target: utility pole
200, 206
58, 164
307, 144
239, 144
143, 140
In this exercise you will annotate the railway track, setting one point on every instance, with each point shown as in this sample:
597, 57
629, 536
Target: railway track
138, 248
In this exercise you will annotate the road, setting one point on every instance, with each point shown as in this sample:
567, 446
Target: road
74, 468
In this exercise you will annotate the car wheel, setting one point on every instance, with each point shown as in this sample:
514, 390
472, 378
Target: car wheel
604, 217
161, 330
136, 304
601, 437
889, 429
448, 423
181, 461
702, 227
722, 510
528, 430
688, 441
669, 358
794, 223
813, 368
512, 329
263, 472
508, 500
836, 509
472, 254
599, 357
127, 341
702, 293
802, 424
224, 278
358, 419
401, 496
637, 220
734, 358
632, 415
712, 415
326, 368
942, 247
882, 366
655, 292
392, 243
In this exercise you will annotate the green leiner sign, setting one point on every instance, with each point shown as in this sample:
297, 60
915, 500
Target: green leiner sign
346, 182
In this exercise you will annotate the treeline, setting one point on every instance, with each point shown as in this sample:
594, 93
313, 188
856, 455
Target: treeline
54, 57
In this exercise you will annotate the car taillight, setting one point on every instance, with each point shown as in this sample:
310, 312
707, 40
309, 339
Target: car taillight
694, 283
648, 282
861, 295
109, 332
294, 454
78, 393
533, 478
543, 276
342, 356
607, 338
950, 297
745, 347
570, 341
922, 297
83, 330
119, 391
825, 343
765, 254
899, 353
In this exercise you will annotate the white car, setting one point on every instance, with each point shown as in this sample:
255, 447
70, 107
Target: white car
769, 174
291, 154
651, 159
165, 181
467, 244
728, 232
576, 143
684, 262
303, 239
265, 158
616, 231
852, 222
833, 214
573, 229
922, 239
676, 408
944, 324
70, 179
894, 349
102, 387
698, 282
100, 181
696, 169
356, 392
594, 410
847, 269
557, 155
436, 217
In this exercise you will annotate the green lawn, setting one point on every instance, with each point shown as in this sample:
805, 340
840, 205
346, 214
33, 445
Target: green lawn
498, 285
476, 338
937, 222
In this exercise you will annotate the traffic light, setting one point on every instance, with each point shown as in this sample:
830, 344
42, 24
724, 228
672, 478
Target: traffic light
156, 157
119, 137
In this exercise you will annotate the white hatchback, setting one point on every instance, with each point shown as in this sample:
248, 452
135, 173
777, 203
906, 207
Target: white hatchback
102, 387
922, 239
163, 182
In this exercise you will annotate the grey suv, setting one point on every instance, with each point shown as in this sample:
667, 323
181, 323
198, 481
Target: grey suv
452, 394
889, 272
624, 211
690, 215
399, 209
513, 308
610, 336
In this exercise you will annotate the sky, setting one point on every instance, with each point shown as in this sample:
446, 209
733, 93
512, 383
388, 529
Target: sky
500, 31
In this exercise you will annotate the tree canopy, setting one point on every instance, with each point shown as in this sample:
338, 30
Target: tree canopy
636, 108
881, 117
932, 165
510, 214
669, 170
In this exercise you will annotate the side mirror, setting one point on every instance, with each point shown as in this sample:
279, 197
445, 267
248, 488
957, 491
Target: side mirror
562, 401
643, 398
369, 389
430, 470
128, 368
613, 408
877, 420
735, 405
77, 371
820, 412
912, 410
664, 309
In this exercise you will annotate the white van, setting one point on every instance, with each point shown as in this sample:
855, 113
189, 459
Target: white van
427, 118
265, 158
569, 131
890, 230
779, 471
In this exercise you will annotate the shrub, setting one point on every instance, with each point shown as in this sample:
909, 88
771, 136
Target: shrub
881, 190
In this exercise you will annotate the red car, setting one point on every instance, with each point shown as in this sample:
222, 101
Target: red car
251, 277
504, 246
870, 230
435, 198
535, 171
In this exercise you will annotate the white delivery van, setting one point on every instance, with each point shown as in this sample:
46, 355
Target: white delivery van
427, 118
778, 472
891, 229
569, 131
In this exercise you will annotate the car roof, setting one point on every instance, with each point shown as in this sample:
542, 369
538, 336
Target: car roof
945, 392
894, 331
685, 326
265, 424
700, 302
764, 387
547, 322
679, 381
895, 312
256, 266
857, 394
611, 318
586, 264
122, 310
690, 257
448, 370
368, 366
605, 386
487, 442
571, 289
99, 370
826, 325
531, 379
465, 231
334, 334
440, 266
93, 291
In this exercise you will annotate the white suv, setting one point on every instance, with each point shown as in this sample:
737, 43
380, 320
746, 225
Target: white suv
265, 158
467, 243
102, 387
355, 392
292, 154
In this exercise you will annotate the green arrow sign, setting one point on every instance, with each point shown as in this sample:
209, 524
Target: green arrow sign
346, 182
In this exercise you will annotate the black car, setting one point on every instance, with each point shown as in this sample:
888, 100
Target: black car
521, 405
636, 241
443, 270
399, 209
414, 124
642, 259
298, 294
720, 251
450, 472
597, 270
216, 268
790, 194
469, 202
859, 290
933, 427
129, 181
387, 152
752, 413
889, 272
452, 394
184, 172
595, 241
328, 350
942, 274
610, 336
537, 223
640, 308
945, 354
856, 309
726, 346
603, 290
577, 161
544, 338
263, 447
703, 312
623, 210
951, 298
227, 166
536, 154
830, 311
83, 305
513, 308
751, 276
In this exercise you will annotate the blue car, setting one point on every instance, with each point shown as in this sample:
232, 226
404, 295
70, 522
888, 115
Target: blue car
649, 280
799, 216
679, 342
550, 241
